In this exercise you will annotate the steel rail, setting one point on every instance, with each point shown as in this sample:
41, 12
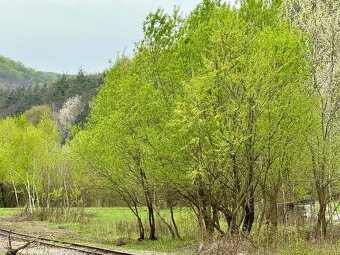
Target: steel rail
85, 249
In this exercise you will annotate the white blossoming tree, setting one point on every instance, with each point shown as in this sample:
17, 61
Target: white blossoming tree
68, 113
319, 20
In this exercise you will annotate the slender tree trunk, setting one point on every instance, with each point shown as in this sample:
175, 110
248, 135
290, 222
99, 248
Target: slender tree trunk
29, 194
3, 194
233, 226
66, 194
271, 215
250, 204
174, 222
36, 195
152, 224
149, 205
284, 200
216, 218
48, 190
205, 209
321, 190
249, 214
15, 191
171, 230
140, 228
261, 217
134, 209
321, 227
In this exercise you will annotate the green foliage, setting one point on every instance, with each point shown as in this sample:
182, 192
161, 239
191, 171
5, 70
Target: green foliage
32, 162
15, 75
107, 225
14, 102
208, 106
213, 111
37, 113
9, 212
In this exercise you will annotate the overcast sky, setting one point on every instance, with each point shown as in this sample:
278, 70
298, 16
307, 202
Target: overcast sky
62, 35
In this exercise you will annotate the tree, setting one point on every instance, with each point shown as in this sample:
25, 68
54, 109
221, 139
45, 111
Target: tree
29, 157
37, 113
69, 113
320, 20
132, 109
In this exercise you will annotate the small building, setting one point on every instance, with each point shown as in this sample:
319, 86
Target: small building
297, 212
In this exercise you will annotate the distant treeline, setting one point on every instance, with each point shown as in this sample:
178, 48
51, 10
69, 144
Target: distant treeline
14, 102
15, 75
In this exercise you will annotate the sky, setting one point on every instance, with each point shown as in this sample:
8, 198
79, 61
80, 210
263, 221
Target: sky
64, 35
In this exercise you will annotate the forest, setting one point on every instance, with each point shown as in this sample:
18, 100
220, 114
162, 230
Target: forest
53, 94
221, 134
15, 75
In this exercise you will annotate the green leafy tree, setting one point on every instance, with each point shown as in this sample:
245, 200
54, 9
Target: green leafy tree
319, 21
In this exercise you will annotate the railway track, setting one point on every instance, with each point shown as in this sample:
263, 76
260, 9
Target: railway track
84, 249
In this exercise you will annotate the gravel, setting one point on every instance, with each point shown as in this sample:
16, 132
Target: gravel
34, 249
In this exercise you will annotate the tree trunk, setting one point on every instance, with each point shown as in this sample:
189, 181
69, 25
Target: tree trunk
321, 190
174, 222
15, 192
141, 229
134, 209
172, 232
216, 218
149, 205
249, 214
235, 225
271, 216
152, 224
3, 194
321, 227
205, 210
30, 206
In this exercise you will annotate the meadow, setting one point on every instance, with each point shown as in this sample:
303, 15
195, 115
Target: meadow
109, 227
116, 228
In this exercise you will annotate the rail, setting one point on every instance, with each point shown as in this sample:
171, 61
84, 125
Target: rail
84, 249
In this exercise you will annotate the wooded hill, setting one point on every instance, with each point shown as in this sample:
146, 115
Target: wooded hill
22, 87
55, 94
15, 75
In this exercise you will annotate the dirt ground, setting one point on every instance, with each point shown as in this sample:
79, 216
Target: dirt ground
34, 249
37, 249
22, 224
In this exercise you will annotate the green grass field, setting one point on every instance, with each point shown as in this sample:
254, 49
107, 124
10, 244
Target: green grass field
8, 212
117, 228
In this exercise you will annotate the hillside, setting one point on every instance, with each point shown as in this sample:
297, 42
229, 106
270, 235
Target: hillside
55, 94
15, 75
22, 87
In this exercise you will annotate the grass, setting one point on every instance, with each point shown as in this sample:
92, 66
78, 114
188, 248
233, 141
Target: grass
336, 205
9, 212
112, 227
184, 246
305, 248
117, 226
